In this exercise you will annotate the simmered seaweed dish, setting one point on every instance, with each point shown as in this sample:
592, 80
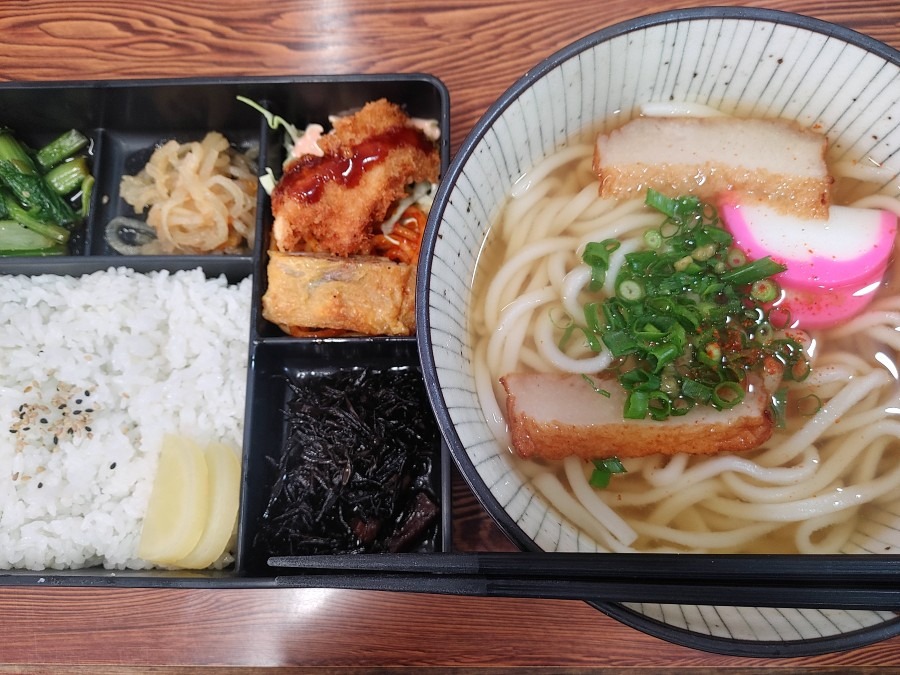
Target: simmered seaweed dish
355, 474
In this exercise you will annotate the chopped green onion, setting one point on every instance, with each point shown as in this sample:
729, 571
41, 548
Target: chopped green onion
637, 403
659, 405
640, 380
696, 391
809, 405
593, 341
603, 471
596, 256
764, 290
664, 354
630, 290
779, 317
779, 407
658, 201
799, 370
681, 406
678, 209
727, 394
688, 320
599, 390
765, 333
566, 336
653, 239
592, 317
619, 343
736, 258
754, 271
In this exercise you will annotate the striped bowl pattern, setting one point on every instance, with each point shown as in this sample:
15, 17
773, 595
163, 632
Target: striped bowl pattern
748, 61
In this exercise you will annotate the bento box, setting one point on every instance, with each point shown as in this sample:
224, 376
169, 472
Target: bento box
124, 123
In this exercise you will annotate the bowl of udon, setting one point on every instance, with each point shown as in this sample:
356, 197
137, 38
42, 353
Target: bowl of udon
658, 308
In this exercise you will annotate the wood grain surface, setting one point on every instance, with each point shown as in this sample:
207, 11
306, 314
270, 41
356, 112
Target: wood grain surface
478, 49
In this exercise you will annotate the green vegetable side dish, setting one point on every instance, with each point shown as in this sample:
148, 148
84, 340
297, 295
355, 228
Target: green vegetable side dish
690, 319
37, 194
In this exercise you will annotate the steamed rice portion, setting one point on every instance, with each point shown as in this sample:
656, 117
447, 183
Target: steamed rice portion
93, 372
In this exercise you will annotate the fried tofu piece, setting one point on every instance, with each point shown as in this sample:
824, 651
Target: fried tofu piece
334, 203
363, 294
773, 161
552, 416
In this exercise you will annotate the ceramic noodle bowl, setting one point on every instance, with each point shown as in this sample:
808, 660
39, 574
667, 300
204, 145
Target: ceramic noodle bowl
741, 62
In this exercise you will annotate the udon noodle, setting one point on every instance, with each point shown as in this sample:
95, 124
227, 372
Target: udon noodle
827, 482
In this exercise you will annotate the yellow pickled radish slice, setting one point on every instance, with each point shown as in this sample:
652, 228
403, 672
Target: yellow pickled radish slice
179, 503
224, 495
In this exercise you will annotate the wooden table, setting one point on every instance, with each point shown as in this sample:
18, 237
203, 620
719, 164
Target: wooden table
478, 49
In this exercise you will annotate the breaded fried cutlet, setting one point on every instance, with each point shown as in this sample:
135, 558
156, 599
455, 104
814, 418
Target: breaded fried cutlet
331, 204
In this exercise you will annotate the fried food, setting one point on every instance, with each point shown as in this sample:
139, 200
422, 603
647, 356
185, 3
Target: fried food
553, 416
773, 161
334, 203
359, 294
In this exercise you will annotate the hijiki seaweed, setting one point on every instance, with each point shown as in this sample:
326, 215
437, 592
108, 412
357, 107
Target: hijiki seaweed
355, 472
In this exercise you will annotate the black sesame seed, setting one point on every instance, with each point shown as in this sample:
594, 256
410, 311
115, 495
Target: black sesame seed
87, 393
87, 428
76, 412
25, 428
61, 406
88, 410
40, 485
43, 420
78, 401
112, 466
56, 440
13, 431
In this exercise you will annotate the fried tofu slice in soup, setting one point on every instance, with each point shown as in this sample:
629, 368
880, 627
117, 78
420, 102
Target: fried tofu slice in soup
776, 162
552, 416
333, 203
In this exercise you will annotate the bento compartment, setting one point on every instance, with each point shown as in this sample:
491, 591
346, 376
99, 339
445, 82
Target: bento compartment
339, 260
177, 192
92, 388
342, 453
46, 188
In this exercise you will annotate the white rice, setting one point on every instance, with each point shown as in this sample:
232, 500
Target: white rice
138, 356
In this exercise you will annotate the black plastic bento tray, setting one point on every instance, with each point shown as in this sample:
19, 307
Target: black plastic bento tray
125, 121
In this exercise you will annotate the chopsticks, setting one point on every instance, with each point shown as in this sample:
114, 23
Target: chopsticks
836, 582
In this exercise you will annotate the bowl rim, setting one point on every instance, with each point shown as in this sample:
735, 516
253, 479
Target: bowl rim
621, 612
